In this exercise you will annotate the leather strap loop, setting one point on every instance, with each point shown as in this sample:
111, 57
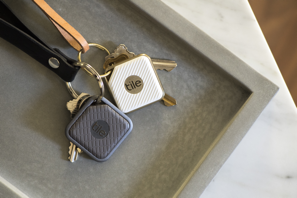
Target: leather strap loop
15, 32
74, 38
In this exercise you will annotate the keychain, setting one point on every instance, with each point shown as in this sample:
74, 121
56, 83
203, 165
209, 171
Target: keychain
133, 80
97, 126
108, 126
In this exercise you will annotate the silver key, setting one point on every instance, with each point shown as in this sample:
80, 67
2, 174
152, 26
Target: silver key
78, 150
73, 106
72, 152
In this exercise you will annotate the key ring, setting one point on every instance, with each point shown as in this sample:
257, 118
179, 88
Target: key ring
90, 70
100, 47
94, 73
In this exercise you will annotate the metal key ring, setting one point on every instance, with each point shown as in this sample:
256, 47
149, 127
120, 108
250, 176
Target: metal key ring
94, 73
100, 47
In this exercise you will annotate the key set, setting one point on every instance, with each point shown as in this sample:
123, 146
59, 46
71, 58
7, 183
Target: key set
98, 127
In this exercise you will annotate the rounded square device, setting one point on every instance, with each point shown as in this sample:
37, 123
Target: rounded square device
134, 83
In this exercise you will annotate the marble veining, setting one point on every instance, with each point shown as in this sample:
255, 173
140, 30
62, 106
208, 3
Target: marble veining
264, 163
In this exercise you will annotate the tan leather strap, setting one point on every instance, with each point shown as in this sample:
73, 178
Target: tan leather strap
74, 38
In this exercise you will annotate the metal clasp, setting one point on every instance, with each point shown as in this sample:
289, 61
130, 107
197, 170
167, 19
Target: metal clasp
90, 70
94, 73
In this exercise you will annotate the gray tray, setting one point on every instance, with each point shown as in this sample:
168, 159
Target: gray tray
171, 151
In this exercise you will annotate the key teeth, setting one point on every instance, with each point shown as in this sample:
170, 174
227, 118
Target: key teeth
79, 150
166, 65
73, 152
74, 105
121, 53
71, 105
169, 70
70, 149
121, 49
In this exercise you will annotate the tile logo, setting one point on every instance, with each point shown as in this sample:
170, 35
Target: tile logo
133, 84
100, 129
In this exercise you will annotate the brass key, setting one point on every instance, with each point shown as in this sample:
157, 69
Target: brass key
164, 64
168, 65
120, 53
169, 100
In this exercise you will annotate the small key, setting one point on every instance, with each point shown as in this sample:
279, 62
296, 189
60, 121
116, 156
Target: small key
78, 150
135, 79
122, 53
97, 129
72, 152
163, 64
73, 106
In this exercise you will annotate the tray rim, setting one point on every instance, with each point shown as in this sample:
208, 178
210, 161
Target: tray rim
262, 91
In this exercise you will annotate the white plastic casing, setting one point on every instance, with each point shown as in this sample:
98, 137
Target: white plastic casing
151, 92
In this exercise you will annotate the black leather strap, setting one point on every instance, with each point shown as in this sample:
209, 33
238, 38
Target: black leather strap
15, 32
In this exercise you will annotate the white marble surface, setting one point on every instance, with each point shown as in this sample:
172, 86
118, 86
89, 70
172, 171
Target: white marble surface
265, 162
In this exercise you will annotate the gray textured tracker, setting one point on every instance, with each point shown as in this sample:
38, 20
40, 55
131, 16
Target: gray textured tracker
79, 129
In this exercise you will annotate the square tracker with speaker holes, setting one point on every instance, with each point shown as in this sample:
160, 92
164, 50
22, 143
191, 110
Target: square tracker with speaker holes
134, 83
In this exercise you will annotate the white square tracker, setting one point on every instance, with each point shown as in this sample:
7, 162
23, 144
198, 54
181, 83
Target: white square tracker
134, 83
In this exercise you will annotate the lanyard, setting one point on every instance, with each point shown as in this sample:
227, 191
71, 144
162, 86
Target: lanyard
73, 37
15, 32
